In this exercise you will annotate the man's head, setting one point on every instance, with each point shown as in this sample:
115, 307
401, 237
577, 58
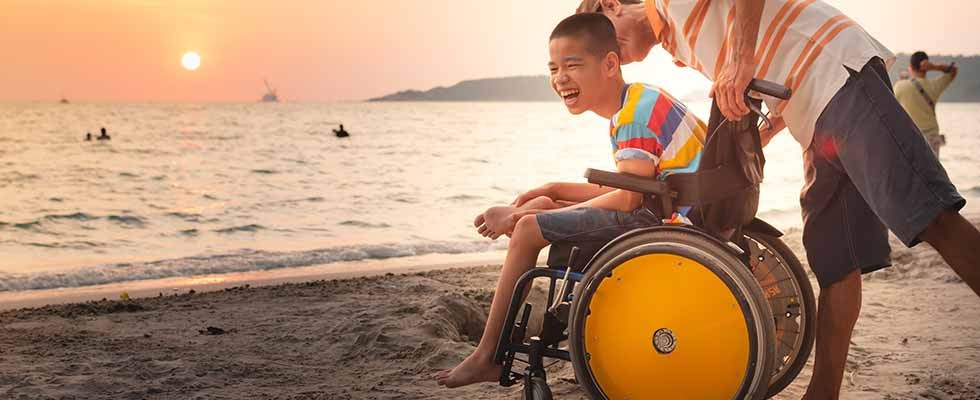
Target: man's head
915, 62
584, 65
633, 30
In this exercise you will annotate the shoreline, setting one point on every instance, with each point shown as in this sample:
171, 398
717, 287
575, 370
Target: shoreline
12, 300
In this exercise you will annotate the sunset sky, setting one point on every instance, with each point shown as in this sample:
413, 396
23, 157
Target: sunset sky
329, 50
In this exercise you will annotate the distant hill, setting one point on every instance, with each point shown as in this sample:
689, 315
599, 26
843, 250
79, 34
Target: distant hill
966, 87
516, 88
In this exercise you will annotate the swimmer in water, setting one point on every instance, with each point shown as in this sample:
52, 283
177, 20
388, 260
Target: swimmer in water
341, 132
104, 136
88, 136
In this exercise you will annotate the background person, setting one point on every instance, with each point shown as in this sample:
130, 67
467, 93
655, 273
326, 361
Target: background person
919, 96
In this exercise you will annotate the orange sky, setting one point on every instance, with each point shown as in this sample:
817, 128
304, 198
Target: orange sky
326, 50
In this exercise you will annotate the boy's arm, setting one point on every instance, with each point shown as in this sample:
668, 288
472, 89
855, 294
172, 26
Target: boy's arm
613, 199
563, 191
579, 192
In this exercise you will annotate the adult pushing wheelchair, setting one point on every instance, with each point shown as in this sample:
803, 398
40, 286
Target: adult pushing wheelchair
678, 310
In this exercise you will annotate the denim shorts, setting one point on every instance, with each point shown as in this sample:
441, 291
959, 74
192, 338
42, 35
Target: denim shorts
592, 224
868, 170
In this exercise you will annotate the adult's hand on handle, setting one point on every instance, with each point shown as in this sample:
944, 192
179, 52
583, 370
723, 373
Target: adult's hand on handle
729, 88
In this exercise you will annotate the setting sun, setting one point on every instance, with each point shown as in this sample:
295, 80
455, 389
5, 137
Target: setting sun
191, 61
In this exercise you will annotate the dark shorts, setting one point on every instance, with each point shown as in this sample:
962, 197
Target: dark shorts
592, 224
867, 168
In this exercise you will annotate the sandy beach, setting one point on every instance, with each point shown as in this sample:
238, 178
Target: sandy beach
379, 337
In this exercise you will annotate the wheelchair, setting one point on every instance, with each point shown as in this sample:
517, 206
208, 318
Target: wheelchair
670, 311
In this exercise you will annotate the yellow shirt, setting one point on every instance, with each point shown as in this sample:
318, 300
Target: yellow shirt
916, 106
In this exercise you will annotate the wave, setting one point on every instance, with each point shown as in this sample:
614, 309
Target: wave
127, 220
242, 228
29, 226
16, 176
78, 216
463, 197
362, 224
186, 216
35, 225
238, 261
73, 244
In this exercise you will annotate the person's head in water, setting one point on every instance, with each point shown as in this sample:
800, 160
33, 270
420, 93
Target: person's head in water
88, 135
584, 64
341, 126
103, 131
917, 64
634, 31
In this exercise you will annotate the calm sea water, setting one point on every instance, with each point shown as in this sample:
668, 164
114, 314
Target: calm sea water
189, 189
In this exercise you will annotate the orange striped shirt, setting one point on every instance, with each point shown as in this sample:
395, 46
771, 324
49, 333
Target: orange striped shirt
803, 44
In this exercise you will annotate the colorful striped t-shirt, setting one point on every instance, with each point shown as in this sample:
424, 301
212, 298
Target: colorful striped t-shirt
654, 126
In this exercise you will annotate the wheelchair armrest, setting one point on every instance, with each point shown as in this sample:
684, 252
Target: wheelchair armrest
629, 182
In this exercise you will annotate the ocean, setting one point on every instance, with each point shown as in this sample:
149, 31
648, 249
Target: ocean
191, 189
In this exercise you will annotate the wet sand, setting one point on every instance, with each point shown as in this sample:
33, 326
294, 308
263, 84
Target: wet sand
380, 337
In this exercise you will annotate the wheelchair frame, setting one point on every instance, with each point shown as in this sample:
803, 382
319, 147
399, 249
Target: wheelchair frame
555, 323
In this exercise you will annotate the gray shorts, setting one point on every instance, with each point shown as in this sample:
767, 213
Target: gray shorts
868, 168
592, 224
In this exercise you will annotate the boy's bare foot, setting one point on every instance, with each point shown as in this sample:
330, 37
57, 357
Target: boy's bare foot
472, 370
499, 219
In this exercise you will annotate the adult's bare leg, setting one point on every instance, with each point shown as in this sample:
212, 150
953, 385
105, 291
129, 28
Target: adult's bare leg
958, 241
837, 311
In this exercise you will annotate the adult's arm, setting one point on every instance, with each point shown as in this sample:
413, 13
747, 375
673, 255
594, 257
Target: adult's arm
949, 73
739, 68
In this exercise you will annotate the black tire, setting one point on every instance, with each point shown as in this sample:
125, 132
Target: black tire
789, 364
721, 261
536, 388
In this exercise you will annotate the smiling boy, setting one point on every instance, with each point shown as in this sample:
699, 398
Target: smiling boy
652, 135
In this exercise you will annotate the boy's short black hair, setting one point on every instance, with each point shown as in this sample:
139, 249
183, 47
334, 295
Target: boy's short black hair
596, 29
916, 60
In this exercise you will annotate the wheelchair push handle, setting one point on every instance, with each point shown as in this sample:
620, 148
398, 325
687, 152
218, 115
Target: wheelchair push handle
771, 89
768, 88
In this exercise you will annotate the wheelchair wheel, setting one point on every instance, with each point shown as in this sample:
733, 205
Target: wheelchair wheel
787, 288
536, 388
671, 314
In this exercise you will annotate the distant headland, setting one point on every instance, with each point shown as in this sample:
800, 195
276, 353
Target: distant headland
515, 88
966, 88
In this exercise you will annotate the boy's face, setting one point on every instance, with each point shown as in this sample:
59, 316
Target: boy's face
577, 76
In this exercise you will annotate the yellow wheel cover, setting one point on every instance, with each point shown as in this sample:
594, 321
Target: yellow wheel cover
652, 293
